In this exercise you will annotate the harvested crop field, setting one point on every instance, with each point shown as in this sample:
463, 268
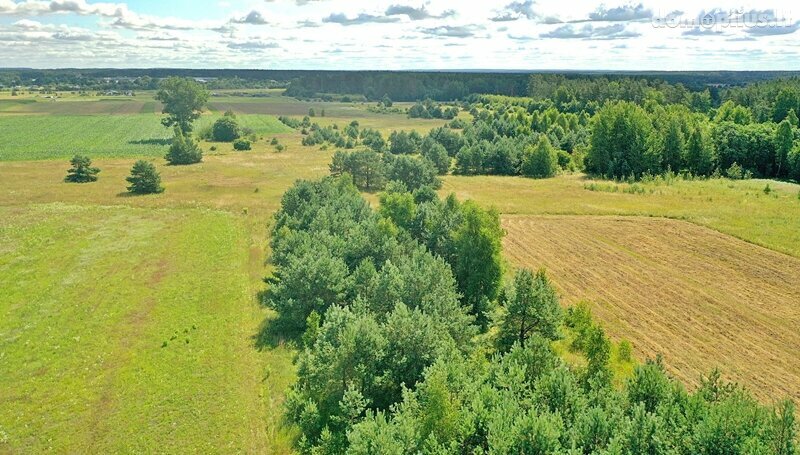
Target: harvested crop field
701, 298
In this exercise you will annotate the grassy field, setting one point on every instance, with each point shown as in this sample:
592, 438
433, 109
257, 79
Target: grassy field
103, 261
34, 128
700, 298
123, 328
36, 137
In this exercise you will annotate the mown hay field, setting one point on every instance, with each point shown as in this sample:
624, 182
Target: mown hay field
701, 298
739, 208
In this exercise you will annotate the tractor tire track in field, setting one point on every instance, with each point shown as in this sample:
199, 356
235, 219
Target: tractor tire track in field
701, 298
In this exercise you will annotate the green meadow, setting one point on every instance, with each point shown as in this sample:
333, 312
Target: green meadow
130, 330
37, 137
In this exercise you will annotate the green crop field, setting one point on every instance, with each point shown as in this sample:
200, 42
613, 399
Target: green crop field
35, 137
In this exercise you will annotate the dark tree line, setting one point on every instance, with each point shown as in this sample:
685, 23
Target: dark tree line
407, 86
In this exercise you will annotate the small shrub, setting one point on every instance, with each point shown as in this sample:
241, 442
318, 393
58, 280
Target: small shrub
274, 141
144, 179
624, 351
183, 150
213, 148
280, 148
767, 189
225, 129
735, 172
242, 144
81, 170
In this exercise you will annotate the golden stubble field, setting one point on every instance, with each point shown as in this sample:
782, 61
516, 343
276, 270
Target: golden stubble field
701, 298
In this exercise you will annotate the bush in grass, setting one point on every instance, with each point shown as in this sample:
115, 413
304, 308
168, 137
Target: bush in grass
81, 170
624, 351
226, 129
242, 144
735, 172
144, 179
183, 150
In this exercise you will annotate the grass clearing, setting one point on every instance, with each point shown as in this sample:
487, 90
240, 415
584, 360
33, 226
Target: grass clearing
130, 330
701, 298
230, 196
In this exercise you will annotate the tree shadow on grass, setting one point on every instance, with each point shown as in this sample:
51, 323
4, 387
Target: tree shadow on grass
274, 330
152, 141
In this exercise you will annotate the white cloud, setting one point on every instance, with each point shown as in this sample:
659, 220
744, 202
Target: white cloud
396, 34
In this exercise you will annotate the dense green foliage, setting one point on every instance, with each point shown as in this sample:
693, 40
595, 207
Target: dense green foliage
531, 309
183, 150
429, 109
226, 129
81, 170
242, 144
376, 294
406, 86
144, 178
371, 170
540, 161
390, 303
366, 167
183, 100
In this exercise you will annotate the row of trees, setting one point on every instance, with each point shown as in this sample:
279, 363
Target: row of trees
628, 140
371, 170
429, 109
388, 305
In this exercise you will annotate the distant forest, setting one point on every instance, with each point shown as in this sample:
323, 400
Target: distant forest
372, 85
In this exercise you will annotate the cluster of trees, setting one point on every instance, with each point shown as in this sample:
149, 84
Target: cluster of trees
629, 140
388, 306
227, 129
371, 170
767, 100
429, 109
623, 139
514, 137
184, 100
378, 296
587, 93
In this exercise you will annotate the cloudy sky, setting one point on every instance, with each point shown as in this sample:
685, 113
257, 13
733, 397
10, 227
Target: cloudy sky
402, 34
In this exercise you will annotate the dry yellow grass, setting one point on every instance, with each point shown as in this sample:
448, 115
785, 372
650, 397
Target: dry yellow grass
701, 298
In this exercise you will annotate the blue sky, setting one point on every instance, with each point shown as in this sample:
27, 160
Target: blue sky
401, 34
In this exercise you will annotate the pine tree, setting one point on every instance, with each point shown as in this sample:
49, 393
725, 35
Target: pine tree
784, 141
699, 157
792, 118
184, 150
541, 161
144, 179
532, 308
673, 146
81, 170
